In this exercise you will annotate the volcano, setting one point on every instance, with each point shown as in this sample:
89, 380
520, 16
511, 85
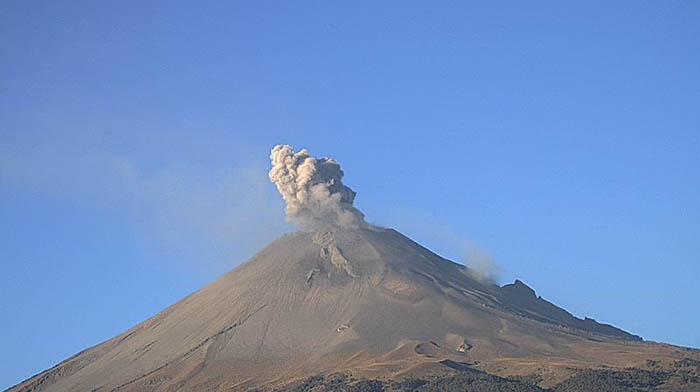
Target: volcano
367, 303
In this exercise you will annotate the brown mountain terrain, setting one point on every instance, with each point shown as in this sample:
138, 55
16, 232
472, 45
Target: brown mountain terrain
367, 309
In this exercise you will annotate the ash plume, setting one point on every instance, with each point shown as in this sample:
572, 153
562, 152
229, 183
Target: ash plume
313, 190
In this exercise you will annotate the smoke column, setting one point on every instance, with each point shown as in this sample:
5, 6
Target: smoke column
313, 190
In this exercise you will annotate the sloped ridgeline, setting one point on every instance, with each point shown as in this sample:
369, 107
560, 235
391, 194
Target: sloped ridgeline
375, 306
681, 376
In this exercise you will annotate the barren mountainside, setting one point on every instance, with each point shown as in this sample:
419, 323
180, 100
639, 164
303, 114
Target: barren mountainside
356, 304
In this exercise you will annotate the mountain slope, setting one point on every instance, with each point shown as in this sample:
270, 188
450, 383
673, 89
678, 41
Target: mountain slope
368, 302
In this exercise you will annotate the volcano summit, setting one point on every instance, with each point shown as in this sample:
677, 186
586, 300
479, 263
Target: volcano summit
342, 305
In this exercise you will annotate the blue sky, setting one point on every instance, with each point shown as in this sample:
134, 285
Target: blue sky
560, 140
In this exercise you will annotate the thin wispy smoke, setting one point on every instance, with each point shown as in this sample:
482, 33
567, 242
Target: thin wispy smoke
221, 214
313, 190
481, 264
440, 236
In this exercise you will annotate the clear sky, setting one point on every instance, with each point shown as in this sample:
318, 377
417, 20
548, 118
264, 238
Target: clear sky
560, 140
